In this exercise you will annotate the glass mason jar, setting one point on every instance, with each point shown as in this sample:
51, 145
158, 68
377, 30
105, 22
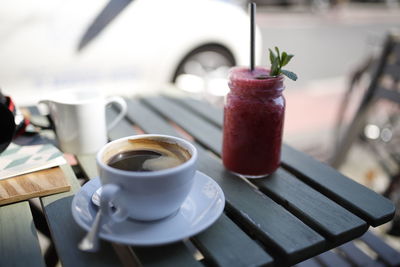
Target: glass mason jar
253, 122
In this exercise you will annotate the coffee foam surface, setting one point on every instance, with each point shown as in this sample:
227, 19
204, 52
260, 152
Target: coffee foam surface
172, 153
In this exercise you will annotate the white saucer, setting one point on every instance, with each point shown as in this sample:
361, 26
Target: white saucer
201, 208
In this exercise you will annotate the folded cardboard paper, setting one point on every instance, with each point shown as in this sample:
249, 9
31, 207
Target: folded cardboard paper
17, 160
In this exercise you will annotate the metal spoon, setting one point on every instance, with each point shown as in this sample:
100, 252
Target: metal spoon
96, 196
90, 243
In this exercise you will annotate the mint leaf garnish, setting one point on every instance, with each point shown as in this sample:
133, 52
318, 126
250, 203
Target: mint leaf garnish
279, 60
271, 55
289, 74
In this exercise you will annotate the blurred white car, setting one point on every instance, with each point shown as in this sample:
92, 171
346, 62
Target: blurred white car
119, 46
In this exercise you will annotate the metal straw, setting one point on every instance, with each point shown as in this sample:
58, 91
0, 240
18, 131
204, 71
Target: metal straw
252, 10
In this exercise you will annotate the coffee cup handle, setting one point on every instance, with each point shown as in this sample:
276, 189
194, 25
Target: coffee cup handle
123, 108
108, 194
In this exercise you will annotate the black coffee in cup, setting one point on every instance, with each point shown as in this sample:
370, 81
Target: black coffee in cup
160, 174
146, 155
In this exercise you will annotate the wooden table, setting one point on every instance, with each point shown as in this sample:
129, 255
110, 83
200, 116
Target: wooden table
302, 210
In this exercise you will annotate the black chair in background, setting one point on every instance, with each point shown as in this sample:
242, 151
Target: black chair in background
375, 123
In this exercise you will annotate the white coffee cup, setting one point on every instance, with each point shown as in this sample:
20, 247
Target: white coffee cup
79, 119
145, 195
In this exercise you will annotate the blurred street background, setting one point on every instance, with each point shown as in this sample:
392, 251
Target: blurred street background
328, 45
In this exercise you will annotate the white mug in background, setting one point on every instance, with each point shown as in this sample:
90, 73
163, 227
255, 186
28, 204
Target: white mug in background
79, 119
146, 195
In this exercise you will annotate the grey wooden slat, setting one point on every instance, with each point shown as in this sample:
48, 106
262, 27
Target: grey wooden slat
358, 257
19, 244
203, 109
280, 230
386, 253
268, 221
126, 255
147, 119
362, 201
330, 219
205, 133
309, 263
88, 165
330, 259
123, 127
333, 184
26, 140
67, 234
210, 241
171, 255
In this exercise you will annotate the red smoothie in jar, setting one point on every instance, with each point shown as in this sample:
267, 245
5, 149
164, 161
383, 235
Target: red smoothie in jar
253, 122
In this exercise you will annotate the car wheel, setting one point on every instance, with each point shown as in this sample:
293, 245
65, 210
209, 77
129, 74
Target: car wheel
204, 70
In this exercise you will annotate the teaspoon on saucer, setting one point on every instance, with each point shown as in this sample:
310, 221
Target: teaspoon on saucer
90, 243
198, 212
96, 196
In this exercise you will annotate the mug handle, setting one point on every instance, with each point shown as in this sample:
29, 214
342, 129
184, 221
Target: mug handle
108, 194
123, 108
